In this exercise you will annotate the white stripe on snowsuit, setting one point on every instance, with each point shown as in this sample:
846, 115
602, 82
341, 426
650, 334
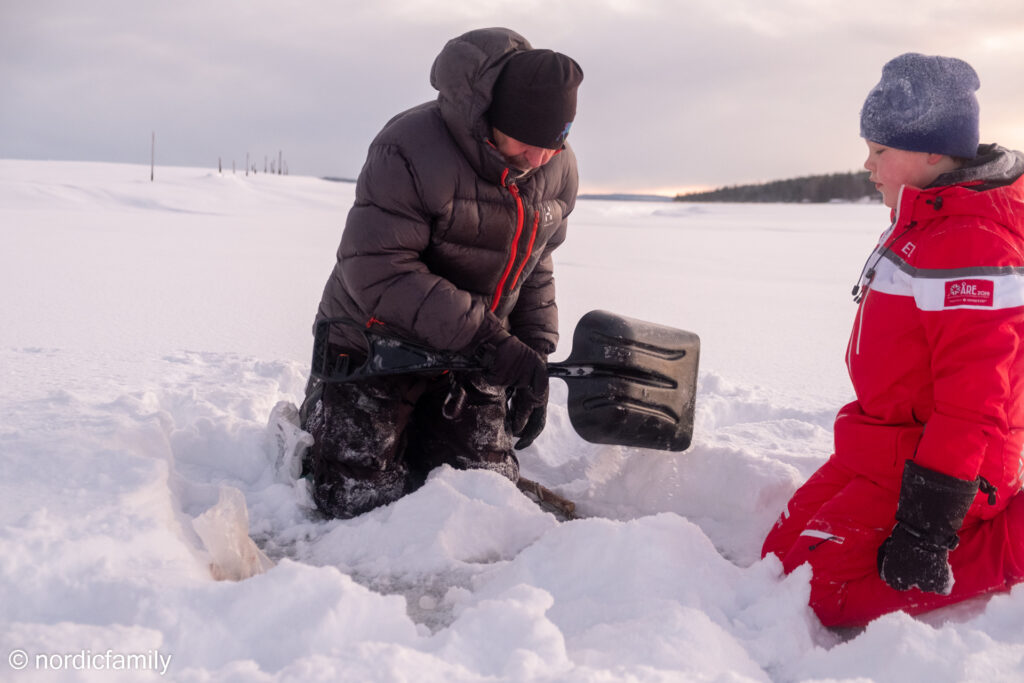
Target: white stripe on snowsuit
930, 288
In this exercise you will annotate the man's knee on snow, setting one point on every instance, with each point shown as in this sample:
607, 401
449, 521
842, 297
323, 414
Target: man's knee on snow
475, 437
354, 427
346, 492
507, 465
354, 463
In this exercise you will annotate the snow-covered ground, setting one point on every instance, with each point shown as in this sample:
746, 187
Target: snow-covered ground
147, 331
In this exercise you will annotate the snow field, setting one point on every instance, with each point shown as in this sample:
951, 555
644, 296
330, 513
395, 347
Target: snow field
150, 329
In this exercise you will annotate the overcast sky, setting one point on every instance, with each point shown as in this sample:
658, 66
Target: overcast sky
676, 93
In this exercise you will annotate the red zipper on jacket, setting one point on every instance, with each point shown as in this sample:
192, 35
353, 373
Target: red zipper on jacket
520, 220
529, 249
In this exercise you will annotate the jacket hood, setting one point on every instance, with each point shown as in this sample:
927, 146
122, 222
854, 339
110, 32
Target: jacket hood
464, 74
990, 186
994, 166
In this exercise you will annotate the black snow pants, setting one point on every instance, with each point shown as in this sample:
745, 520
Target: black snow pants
376, 439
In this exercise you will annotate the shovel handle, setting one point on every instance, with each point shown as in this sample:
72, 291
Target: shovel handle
567, 370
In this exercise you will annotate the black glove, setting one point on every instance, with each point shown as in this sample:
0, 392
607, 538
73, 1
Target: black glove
508, 362
527, 415
931, 510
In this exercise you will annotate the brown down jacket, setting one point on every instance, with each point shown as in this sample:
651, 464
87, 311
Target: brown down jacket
442, 231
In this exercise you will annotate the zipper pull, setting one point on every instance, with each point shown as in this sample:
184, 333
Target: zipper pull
860, 292
824, 540
988, 489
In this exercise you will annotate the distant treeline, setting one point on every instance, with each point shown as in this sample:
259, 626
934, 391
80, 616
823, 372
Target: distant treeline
816, 188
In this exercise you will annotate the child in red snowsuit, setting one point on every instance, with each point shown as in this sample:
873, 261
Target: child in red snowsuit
919, 506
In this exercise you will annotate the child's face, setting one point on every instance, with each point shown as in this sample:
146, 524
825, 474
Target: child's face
892, 168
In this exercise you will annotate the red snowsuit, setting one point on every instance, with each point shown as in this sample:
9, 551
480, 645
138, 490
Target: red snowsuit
936, 357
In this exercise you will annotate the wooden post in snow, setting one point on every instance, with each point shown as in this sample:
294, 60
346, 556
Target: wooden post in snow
152, 156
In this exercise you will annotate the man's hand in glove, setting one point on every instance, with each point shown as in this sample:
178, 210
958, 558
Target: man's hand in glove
527, 415
514, 364
506, 360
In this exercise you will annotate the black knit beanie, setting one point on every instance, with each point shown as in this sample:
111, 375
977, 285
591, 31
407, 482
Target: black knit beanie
924, 104
534, 98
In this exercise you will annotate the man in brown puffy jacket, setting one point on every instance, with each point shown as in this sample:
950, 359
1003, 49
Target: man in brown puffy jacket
458, 207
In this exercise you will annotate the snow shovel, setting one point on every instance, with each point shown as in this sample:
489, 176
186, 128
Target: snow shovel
631, 383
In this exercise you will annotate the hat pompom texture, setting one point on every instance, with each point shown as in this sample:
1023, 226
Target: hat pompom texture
924, 104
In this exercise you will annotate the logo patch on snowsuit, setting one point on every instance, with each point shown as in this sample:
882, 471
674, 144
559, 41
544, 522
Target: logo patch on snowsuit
969, 293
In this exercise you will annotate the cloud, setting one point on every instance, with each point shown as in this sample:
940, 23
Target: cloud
676, 93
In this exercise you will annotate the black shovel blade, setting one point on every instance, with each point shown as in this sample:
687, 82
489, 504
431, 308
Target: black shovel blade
631, 382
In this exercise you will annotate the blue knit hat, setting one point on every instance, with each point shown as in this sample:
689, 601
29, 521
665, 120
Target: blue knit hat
924, 104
